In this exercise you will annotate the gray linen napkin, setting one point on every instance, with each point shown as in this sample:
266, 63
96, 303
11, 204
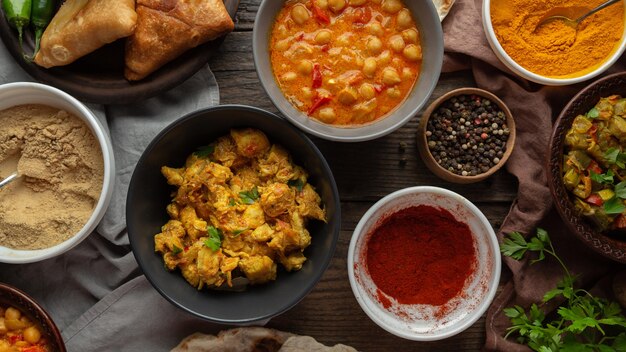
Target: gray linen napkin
78, 287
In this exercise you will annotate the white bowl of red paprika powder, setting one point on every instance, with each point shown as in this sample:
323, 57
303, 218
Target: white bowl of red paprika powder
424, 263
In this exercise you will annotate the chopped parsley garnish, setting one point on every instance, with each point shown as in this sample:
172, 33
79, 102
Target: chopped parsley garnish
250, 196
231, 202
602, 178
614, 156
593, 113
204, 151
215, 238
614, 206
620, 190
298, 184
239, 232
176, 250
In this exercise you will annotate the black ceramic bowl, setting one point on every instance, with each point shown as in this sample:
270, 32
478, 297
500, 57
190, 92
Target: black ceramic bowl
11, 296
149, 194
610, 247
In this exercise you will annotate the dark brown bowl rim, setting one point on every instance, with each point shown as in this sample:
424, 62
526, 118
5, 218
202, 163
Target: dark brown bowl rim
428, 158
600, 243
15, 297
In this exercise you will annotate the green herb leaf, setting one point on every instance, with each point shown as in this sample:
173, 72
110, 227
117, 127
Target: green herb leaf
231, 202
214, 241
514, 246
602, 178
250, 196
619, 344
298, 184
620, 190
614, 206
239, 232
204, 151
611, 154
176, 250
593, 113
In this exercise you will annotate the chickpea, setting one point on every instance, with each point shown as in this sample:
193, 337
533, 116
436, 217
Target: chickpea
394, 92
384, 58
375, 28
407, 73
396, 43
374, 45
413, 52
391, 76
32, 335
327, 115
410, 35
357, 2
307, 92
404, 19
322, 4
305, 67
323, 37
289, 76
369, 67
367, 91
300, 14
282, 45
347, 96
12, 313
392, 6
336, 6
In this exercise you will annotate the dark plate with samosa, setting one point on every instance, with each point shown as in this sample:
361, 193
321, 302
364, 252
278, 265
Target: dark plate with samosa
127, 56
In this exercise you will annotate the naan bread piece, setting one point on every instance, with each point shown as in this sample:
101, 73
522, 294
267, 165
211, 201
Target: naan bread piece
235, 340
168, 28
82, 26
443, 7
308, 344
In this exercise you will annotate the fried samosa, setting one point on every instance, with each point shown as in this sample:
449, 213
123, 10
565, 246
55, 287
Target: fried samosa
82, 26
168, 28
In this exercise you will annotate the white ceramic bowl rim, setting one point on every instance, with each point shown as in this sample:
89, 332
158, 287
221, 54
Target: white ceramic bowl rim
472, 316
35, 93
413, 103
524, 73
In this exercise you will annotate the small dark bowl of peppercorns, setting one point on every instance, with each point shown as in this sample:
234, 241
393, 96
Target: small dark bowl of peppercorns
466, 135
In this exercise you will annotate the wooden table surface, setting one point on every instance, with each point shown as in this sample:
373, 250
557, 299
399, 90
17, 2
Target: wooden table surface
365, 172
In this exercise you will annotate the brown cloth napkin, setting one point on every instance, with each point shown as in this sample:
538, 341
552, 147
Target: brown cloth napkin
535, 107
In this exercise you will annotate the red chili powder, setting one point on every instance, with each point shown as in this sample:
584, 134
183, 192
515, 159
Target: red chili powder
421, 255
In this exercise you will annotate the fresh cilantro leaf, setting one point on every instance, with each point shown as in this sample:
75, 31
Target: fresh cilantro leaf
231, 202
602, 178
214, 241
298, 184
619, 344
514, 246
551, 294
611, 154
614, 206
176, 250
593, 113
239, 232
620, 190
250, 196
204, 151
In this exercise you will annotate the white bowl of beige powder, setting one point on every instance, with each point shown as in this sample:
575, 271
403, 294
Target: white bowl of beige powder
64, 159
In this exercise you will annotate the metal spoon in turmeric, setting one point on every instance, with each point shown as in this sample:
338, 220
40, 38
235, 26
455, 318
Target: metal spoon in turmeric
574, 23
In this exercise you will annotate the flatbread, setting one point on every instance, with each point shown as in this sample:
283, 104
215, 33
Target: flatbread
443, 7
254, 339
235, 340
82, 26
168, 28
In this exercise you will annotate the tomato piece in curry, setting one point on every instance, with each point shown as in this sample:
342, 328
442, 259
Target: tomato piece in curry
345, 62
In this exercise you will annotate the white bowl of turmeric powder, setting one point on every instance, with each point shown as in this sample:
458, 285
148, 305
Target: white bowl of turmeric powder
554, 53
64, 159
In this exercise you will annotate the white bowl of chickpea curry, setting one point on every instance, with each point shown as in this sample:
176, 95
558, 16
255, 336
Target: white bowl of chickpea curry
348, 70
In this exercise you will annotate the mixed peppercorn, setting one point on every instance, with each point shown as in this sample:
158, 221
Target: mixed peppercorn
467, 135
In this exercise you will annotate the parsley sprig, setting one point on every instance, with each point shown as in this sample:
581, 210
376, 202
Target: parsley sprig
582, 323
204, 151
297, 184
214, 240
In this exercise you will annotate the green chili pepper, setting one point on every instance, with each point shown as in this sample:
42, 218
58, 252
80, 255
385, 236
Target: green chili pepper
40, 16
17, 13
